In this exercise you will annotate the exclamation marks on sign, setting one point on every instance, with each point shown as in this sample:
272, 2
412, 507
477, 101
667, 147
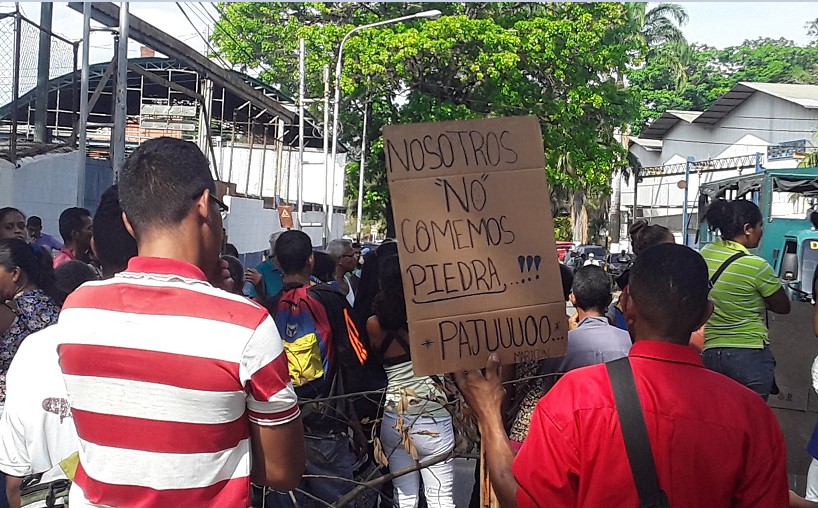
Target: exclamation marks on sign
527, 263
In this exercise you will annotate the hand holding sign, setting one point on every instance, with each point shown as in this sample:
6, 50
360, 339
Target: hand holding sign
476, 242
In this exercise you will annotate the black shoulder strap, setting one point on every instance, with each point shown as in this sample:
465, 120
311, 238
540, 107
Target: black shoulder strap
392, 336
387, 341
635, 433
402, 342
724, 266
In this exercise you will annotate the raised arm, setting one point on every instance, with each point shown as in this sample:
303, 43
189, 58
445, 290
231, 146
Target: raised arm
485, 394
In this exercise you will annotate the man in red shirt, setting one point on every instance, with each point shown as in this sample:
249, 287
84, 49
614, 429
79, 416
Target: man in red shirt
76, 229
715, 443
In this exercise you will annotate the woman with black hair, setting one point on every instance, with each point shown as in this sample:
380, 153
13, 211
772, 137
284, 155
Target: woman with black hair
412, 402
643, 236
12, 223
736, 342
323, 269
27, 294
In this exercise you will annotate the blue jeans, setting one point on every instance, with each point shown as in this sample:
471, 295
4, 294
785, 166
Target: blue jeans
326, 456
754, 368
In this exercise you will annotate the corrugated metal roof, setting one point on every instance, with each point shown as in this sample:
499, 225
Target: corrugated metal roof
650, 144
665, 122
805, 96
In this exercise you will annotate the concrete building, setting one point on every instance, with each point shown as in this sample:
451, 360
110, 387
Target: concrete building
753, 126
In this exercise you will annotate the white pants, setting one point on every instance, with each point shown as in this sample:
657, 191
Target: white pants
431, 437
812, 481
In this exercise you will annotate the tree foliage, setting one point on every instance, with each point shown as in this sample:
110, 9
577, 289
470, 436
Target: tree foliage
660, 30
711, 72
557, 61
812, 31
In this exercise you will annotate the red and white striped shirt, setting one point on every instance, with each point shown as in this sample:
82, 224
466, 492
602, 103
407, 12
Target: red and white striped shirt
163, 373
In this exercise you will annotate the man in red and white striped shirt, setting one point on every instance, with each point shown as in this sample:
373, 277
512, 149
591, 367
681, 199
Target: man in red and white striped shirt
180, 391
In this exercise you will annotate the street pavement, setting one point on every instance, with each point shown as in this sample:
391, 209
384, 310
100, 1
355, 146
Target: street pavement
463, 481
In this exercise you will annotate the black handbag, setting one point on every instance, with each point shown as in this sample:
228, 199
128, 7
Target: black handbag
635, 433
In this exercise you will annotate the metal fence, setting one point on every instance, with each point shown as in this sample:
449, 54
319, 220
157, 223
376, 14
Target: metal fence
62, 61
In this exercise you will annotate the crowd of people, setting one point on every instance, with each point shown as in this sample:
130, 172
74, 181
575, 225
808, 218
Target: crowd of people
141, 364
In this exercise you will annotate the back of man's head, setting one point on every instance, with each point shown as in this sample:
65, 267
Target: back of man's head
292, 251
669, 286
273, 240
323, 268
160, 181
337, 248
71, 221
113, 245
71, 275
591, 289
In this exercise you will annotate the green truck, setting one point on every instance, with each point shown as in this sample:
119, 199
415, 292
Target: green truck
790, 245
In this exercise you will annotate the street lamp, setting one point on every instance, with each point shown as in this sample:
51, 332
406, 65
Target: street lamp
433, 14
690, 160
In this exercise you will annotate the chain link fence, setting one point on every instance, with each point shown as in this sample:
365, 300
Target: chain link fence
62, 62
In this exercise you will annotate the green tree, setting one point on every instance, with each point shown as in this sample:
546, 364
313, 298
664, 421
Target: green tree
554, 61
812, 31
661, 31
658, 30
712, 72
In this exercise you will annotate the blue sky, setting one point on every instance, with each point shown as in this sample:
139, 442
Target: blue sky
723, 24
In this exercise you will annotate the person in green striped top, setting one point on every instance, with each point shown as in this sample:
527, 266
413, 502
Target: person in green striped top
735, 337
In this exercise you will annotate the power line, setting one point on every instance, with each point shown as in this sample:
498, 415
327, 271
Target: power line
207, 43
203, 8
240, 46
469, 102
197, 14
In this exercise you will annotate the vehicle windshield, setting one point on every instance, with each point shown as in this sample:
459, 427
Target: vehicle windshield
809, 263
599, 252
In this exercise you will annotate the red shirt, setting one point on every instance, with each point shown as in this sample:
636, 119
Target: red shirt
715, 442
63, 256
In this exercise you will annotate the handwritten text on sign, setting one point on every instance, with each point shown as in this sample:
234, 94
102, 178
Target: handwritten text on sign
476, 241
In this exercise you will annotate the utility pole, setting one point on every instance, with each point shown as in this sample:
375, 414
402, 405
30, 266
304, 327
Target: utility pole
43, 65
204, 118
15, 84
684, 209
361, 173
635, 198
327, 165
206, 88
301, 92
83, 119
121, 110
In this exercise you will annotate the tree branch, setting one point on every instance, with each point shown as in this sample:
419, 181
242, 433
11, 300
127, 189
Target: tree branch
351, 495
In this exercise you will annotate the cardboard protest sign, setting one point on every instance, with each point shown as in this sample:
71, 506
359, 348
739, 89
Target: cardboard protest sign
476, 242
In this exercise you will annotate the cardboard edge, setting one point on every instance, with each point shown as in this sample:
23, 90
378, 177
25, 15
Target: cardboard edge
479, 361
